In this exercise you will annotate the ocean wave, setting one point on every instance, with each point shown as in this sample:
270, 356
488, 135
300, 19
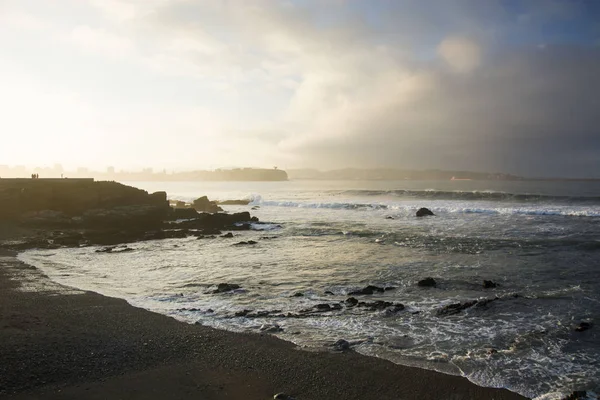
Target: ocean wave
476, 195
408, 209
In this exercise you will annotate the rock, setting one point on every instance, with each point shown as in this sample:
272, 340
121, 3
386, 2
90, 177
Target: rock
341, 345
227, 235
367, 290
489, 284
298, 294
329, 292
249, 242
389, 217
422, 212
323, 307
182, 213
427, 282
455, 308
381, 305
225, 287
202, 204
351, 301
255, 208
583, 326
576, 395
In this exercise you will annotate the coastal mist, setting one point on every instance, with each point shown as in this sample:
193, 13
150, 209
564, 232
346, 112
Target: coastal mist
529, 328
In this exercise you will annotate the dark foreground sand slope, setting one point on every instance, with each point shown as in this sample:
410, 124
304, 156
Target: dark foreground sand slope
57, 345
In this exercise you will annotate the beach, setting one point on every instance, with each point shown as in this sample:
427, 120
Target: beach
59, 343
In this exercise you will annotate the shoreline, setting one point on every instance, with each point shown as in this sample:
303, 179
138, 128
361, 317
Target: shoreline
60, 343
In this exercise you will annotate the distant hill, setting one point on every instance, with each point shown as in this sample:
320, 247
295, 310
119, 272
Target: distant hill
395, 174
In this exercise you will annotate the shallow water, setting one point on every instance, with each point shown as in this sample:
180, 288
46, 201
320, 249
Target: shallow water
540, 241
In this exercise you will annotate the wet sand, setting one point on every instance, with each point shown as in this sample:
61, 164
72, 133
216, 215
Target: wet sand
57, 343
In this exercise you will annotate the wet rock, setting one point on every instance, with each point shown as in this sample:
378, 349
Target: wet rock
351, 301
323, 307
367, 290
381, 305
583, 326
255, 208
225, 287
427, 282
182, 213
489, 284
329, 292
244, 243
271, 328
114, 249
577, 394
422, 212
341, 345
389, 217
227, 235
455, 308
242, 313
298, 294
202, 204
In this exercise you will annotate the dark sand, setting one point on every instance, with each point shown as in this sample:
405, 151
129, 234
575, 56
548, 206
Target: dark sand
55, 345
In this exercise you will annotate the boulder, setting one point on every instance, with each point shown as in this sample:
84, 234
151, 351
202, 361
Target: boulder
202, 204
427, 282
422, 212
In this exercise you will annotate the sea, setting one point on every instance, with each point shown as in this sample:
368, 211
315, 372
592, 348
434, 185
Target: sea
536, 333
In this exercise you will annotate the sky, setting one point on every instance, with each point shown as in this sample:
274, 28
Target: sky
497, 85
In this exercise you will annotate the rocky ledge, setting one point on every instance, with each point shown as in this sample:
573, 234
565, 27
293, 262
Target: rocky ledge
58, 213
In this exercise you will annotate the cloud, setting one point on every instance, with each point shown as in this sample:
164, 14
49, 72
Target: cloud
100, 41
331, 84
461, 54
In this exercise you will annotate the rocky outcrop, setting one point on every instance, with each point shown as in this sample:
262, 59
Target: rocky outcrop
203, 204
422, 212
456, 308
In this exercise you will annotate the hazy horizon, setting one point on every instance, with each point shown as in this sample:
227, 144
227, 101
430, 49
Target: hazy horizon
497, 86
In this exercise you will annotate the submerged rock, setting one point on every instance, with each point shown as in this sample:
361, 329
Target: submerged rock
298, 294
455, 308
427, 282
367, 290
225, 287
243, 243
422, 212
227, 235
351, 301
489, 284
583, 326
